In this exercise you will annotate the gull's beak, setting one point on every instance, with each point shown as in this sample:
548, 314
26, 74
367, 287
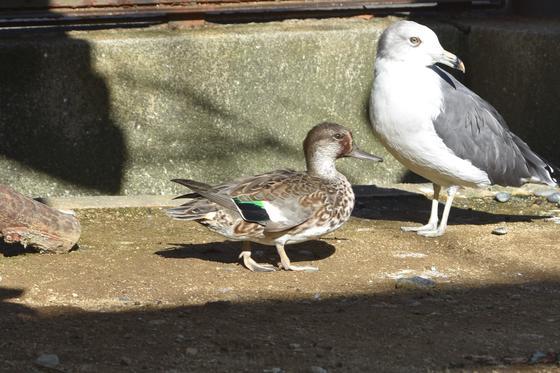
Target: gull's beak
360, 154
451, 60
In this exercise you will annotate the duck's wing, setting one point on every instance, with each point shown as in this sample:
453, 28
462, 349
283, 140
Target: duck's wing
278, 201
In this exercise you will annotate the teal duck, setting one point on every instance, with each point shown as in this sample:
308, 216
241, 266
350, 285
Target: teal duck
283, 206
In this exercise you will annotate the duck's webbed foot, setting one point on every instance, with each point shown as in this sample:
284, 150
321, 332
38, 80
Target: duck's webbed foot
253, 266
286, 265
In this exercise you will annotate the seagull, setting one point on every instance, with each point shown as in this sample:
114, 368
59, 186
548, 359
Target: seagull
440, 129
283, 206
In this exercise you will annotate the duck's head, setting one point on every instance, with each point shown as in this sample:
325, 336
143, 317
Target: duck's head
326, 142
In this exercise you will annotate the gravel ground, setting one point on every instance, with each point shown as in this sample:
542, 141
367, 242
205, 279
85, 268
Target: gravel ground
144, 293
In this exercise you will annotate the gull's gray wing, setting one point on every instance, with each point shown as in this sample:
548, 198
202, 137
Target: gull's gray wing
475, 131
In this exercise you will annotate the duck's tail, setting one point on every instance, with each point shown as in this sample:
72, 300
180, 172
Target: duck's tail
193, 185
198, 208
193, 210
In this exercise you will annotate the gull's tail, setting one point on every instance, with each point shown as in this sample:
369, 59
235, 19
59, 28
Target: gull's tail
541, 170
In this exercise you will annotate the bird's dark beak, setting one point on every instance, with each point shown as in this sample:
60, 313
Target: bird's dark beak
360, 154
451, 60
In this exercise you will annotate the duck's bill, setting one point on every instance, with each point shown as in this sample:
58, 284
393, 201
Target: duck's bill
451, 60
360, 154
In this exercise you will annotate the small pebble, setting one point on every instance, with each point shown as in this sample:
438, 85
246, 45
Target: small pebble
540, 357
544, 193
296, 347
502, 196
316, 369
515, 360
126, 361
554, 219
192, 350
273, 370
553, 198
415, 282
47, 360
180, 338
500, 231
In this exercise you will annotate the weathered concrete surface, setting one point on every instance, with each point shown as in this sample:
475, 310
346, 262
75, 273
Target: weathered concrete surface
124, 111
514, 65
170, 296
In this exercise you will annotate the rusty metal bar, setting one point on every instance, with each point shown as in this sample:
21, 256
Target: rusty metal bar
75, 4
64, 12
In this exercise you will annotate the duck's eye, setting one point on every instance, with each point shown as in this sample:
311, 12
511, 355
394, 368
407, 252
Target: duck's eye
338, 136
415, 41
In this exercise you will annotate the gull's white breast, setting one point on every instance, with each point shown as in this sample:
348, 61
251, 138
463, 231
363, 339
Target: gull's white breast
404, 102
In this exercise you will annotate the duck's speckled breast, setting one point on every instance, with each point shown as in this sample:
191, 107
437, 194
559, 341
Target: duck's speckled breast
335, 209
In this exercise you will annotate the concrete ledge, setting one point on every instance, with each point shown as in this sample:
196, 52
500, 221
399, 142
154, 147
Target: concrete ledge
121, 112
362, 191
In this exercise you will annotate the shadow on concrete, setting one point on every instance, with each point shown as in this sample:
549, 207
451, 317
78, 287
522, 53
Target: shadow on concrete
10, 310
396, 331
410, 177
55, 111
228, 252
416, 208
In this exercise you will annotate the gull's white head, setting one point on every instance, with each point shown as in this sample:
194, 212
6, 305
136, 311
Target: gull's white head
413, 43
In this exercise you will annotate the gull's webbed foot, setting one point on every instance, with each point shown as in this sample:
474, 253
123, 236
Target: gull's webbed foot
253, 266
432, 233
427, 227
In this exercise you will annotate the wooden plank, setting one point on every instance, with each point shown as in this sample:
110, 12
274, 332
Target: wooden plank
32, 223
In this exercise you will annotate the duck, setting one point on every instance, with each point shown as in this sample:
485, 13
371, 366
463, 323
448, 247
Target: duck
439, 128
280, 207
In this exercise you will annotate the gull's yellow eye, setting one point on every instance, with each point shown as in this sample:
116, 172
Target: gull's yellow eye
415, 41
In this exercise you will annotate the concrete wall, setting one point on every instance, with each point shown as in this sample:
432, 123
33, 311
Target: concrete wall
124, 111
515, 65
